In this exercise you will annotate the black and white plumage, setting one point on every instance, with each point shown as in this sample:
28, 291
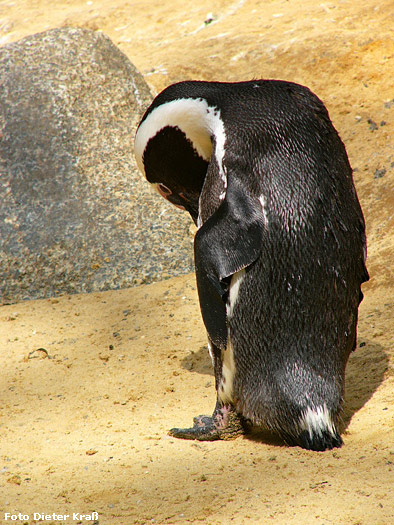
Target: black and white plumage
279, 252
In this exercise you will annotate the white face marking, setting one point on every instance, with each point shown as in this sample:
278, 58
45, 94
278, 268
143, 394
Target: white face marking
316, 421
225, 392
198, 121
235, 283
217, 126
194, 117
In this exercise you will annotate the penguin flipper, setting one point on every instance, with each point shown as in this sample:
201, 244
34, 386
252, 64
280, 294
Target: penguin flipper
230, 240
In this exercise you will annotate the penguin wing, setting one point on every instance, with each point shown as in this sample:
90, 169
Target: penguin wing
230, 240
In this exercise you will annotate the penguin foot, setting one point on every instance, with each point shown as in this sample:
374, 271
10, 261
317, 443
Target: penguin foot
225, 423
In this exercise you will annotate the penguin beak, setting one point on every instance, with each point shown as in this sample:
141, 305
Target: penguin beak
182, 200
167, 194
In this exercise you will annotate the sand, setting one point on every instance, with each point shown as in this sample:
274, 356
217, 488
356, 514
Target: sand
90, 384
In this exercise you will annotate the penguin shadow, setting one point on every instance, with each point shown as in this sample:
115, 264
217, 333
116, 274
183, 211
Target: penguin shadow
198, 362
365, 371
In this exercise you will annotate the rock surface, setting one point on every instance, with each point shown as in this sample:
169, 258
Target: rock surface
75, 213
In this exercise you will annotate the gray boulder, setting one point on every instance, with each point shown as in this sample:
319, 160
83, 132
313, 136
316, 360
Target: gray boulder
75, 213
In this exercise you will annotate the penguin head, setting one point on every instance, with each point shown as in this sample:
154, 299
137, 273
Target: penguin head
174, 166
173, 147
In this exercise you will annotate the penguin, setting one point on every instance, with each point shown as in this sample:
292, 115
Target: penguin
280, 249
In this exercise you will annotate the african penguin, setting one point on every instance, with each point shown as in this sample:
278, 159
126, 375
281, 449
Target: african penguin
280, 249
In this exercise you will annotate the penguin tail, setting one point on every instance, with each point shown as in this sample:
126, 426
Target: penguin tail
319, 442
316, 430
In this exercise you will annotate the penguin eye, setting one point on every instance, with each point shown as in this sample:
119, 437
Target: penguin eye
164, 190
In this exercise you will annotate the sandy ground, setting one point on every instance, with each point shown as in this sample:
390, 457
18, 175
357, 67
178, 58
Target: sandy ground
90, 384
